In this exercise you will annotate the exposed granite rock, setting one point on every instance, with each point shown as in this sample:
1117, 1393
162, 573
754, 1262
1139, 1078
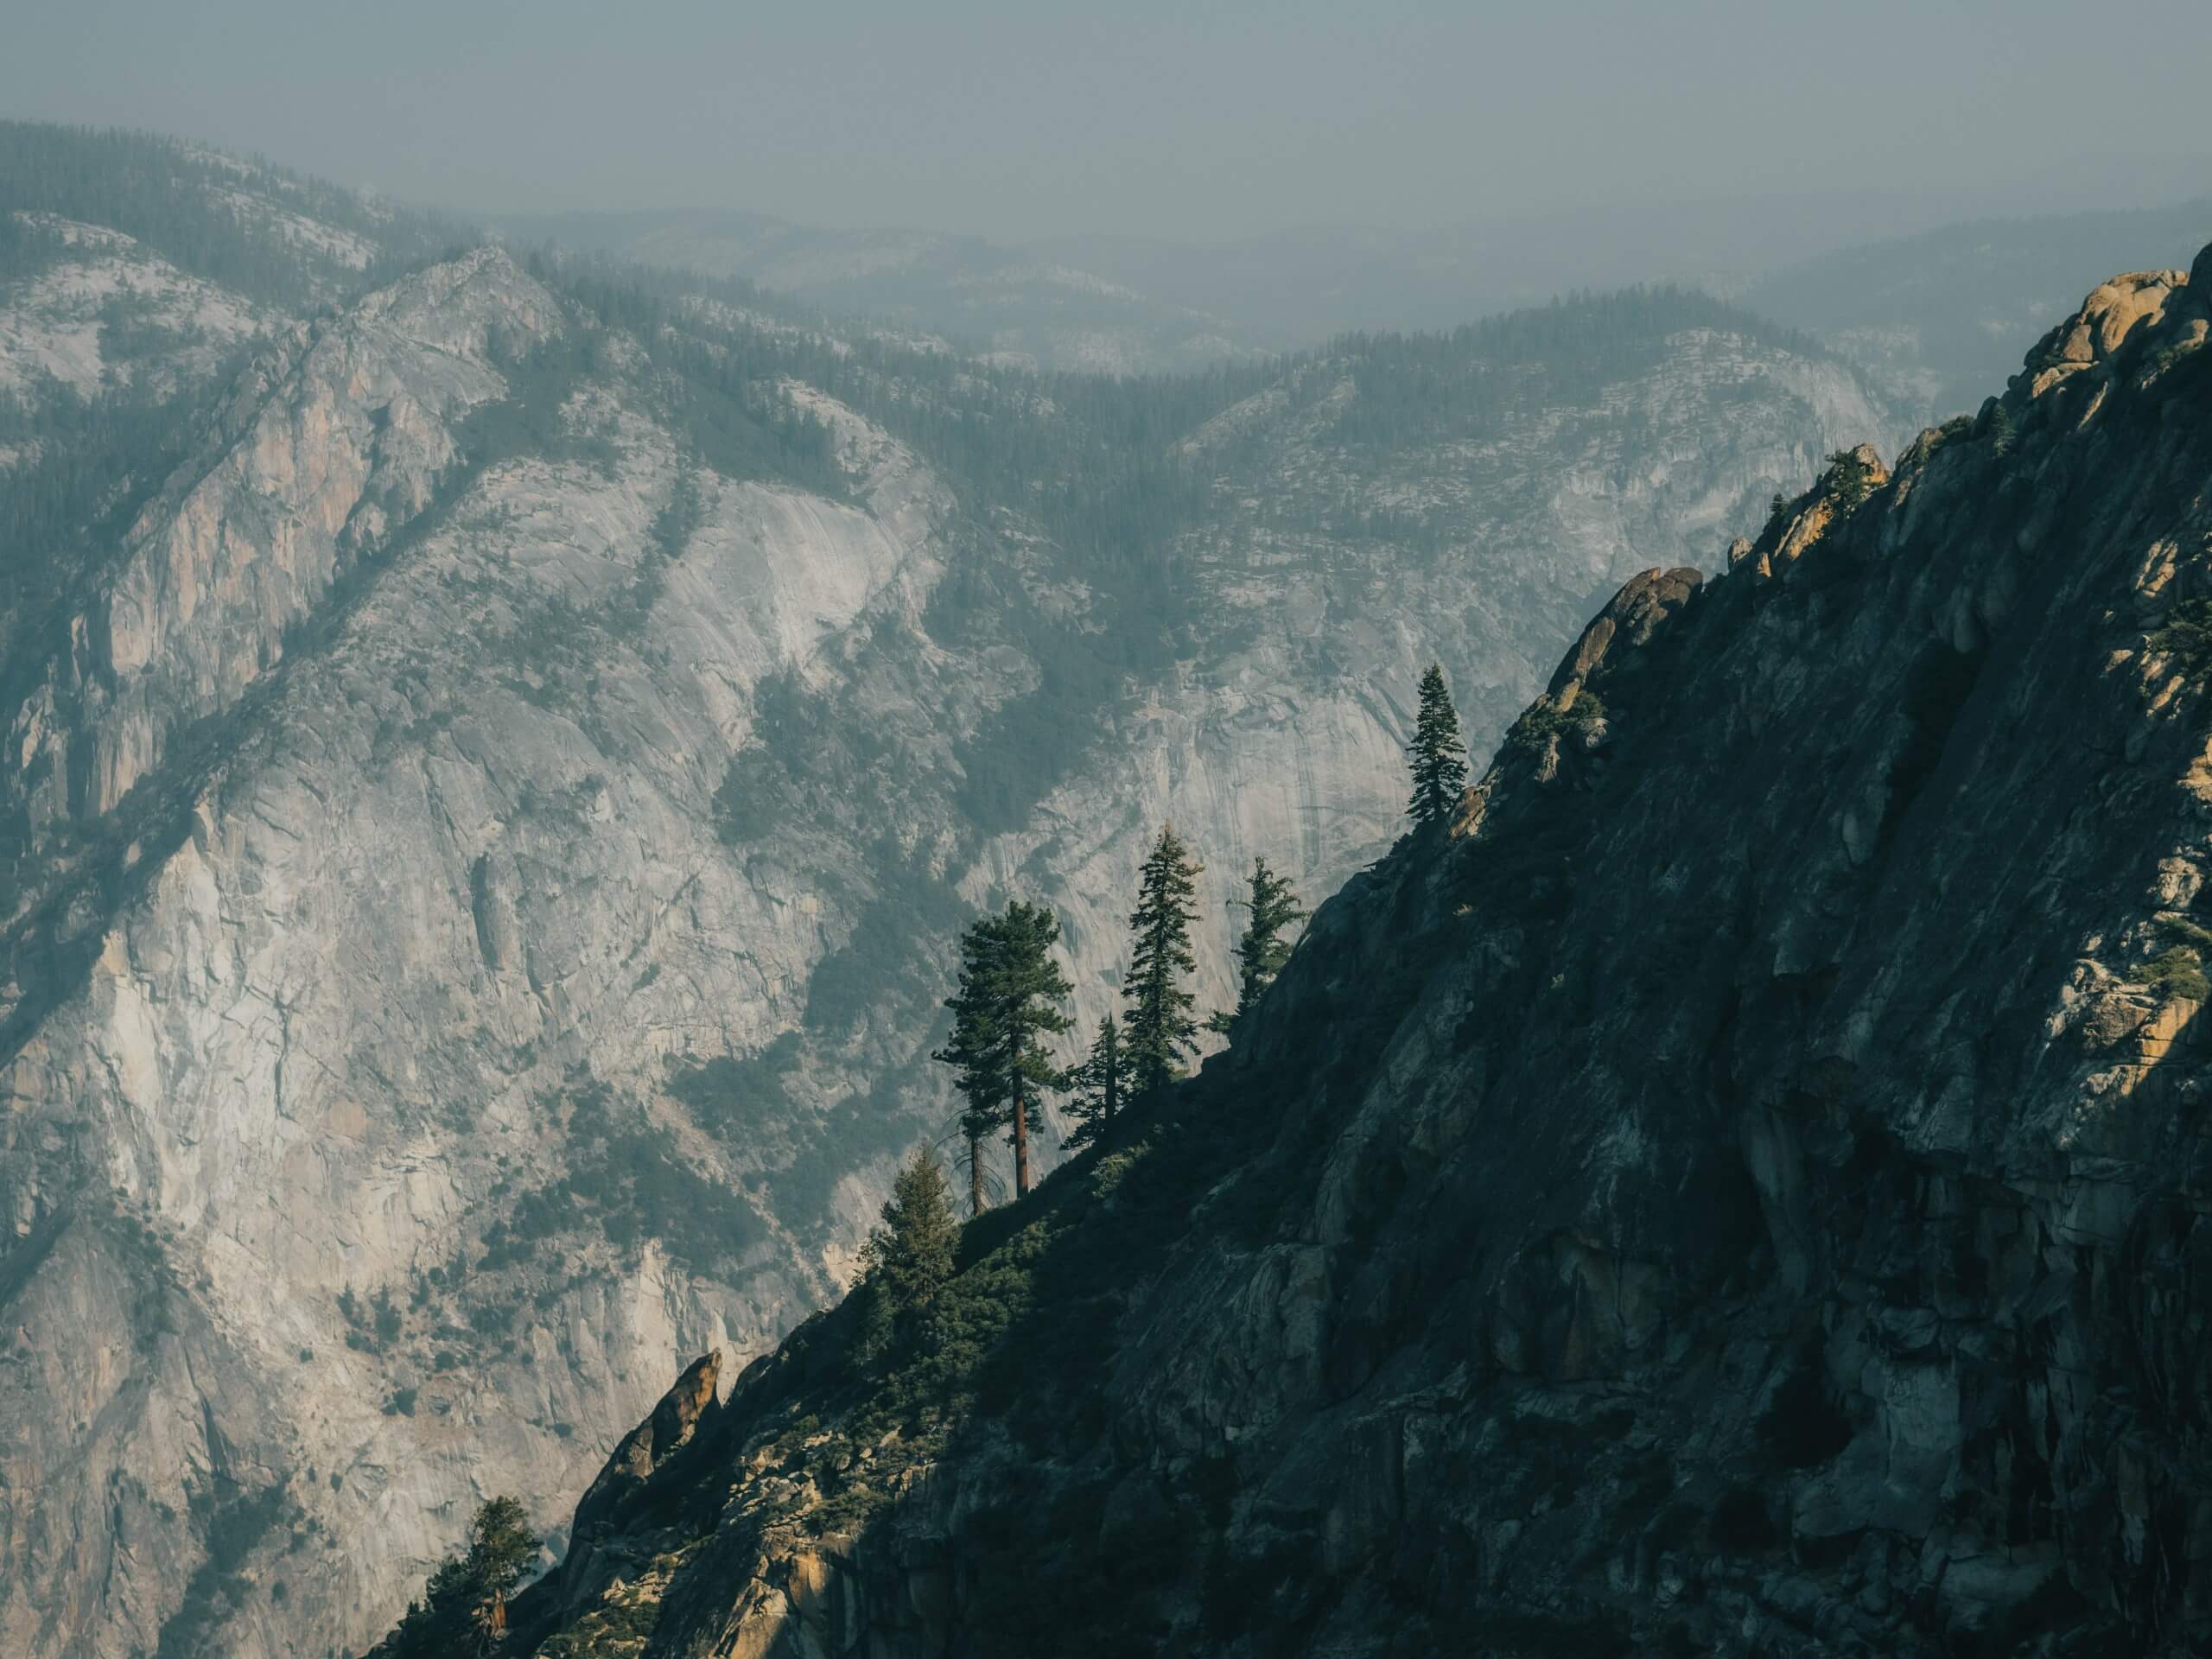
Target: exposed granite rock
1630, 616
54, 336
339, 439
682, 1410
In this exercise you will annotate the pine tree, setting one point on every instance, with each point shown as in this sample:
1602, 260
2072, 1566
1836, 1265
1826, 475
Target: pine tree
909, 1256
2004, 432
1098, 1085
973, 1051
1849, 481
1440, 764
500, 1545
463, 1611
970, 1162
1262, 950
1032, 990
1008, 1001
976, 1126
1159, 1027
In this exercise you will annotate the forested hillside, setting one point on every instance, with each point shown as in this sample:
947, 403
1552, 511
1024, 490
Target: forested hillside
249, 226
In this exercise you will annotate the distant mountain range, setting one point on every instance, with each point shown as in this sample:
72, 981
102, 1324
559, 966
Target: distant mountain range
1016, 307
1944, 317
1941, 313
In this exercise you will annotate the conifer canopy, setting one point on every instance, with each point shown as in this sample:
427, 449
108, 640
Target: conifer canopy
908, 1255
1099, 1086
1271, 906
1159, 1028
1009, 1002
462, 1611
1439, 757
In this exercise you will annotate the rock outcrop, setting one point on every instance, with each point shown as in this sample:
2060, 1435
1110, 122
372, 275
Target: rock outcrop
339, 440
647, 1447
1739, 1192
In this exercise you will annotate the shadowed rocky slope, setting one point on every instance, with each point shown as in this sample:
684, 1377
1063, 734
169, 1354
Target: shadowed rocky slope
1741, 1192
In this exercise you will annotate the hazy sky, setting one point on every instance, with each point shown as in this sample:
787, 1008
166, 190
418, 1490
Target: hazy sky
1184, 119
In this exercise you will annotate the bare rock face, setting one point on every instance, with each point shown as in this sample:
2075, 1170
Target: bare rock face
649, 1446
1630, 617
341, 438
58, 329
267, 1098
1734, 1195
2111, 313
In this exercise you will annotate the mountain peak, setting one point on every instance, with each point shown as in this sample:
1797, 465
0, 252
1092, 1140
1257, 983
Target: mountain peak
2155, 311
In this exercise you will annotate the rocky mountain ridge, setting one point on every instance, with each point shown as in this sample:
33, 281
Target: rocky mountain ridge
1935, 314
1738, 1192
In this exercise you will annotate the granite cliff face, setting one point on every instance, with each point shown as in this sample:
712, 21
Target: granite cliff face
485, 833
336, 438
1738, 1191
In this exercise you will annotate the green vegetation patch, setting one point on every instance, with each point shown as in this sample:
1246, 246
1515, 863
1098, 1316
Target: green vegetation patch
736, 1097
1474, 379
1848, 481
1541, 722
2185, 640
158, 192
626, 1175
232, 1521
2178, 971
612, 1630
2171, 356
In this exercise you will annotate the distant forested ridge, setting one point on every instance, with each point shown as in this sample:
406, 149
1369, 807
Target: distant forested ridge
1472, 377
253, 228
